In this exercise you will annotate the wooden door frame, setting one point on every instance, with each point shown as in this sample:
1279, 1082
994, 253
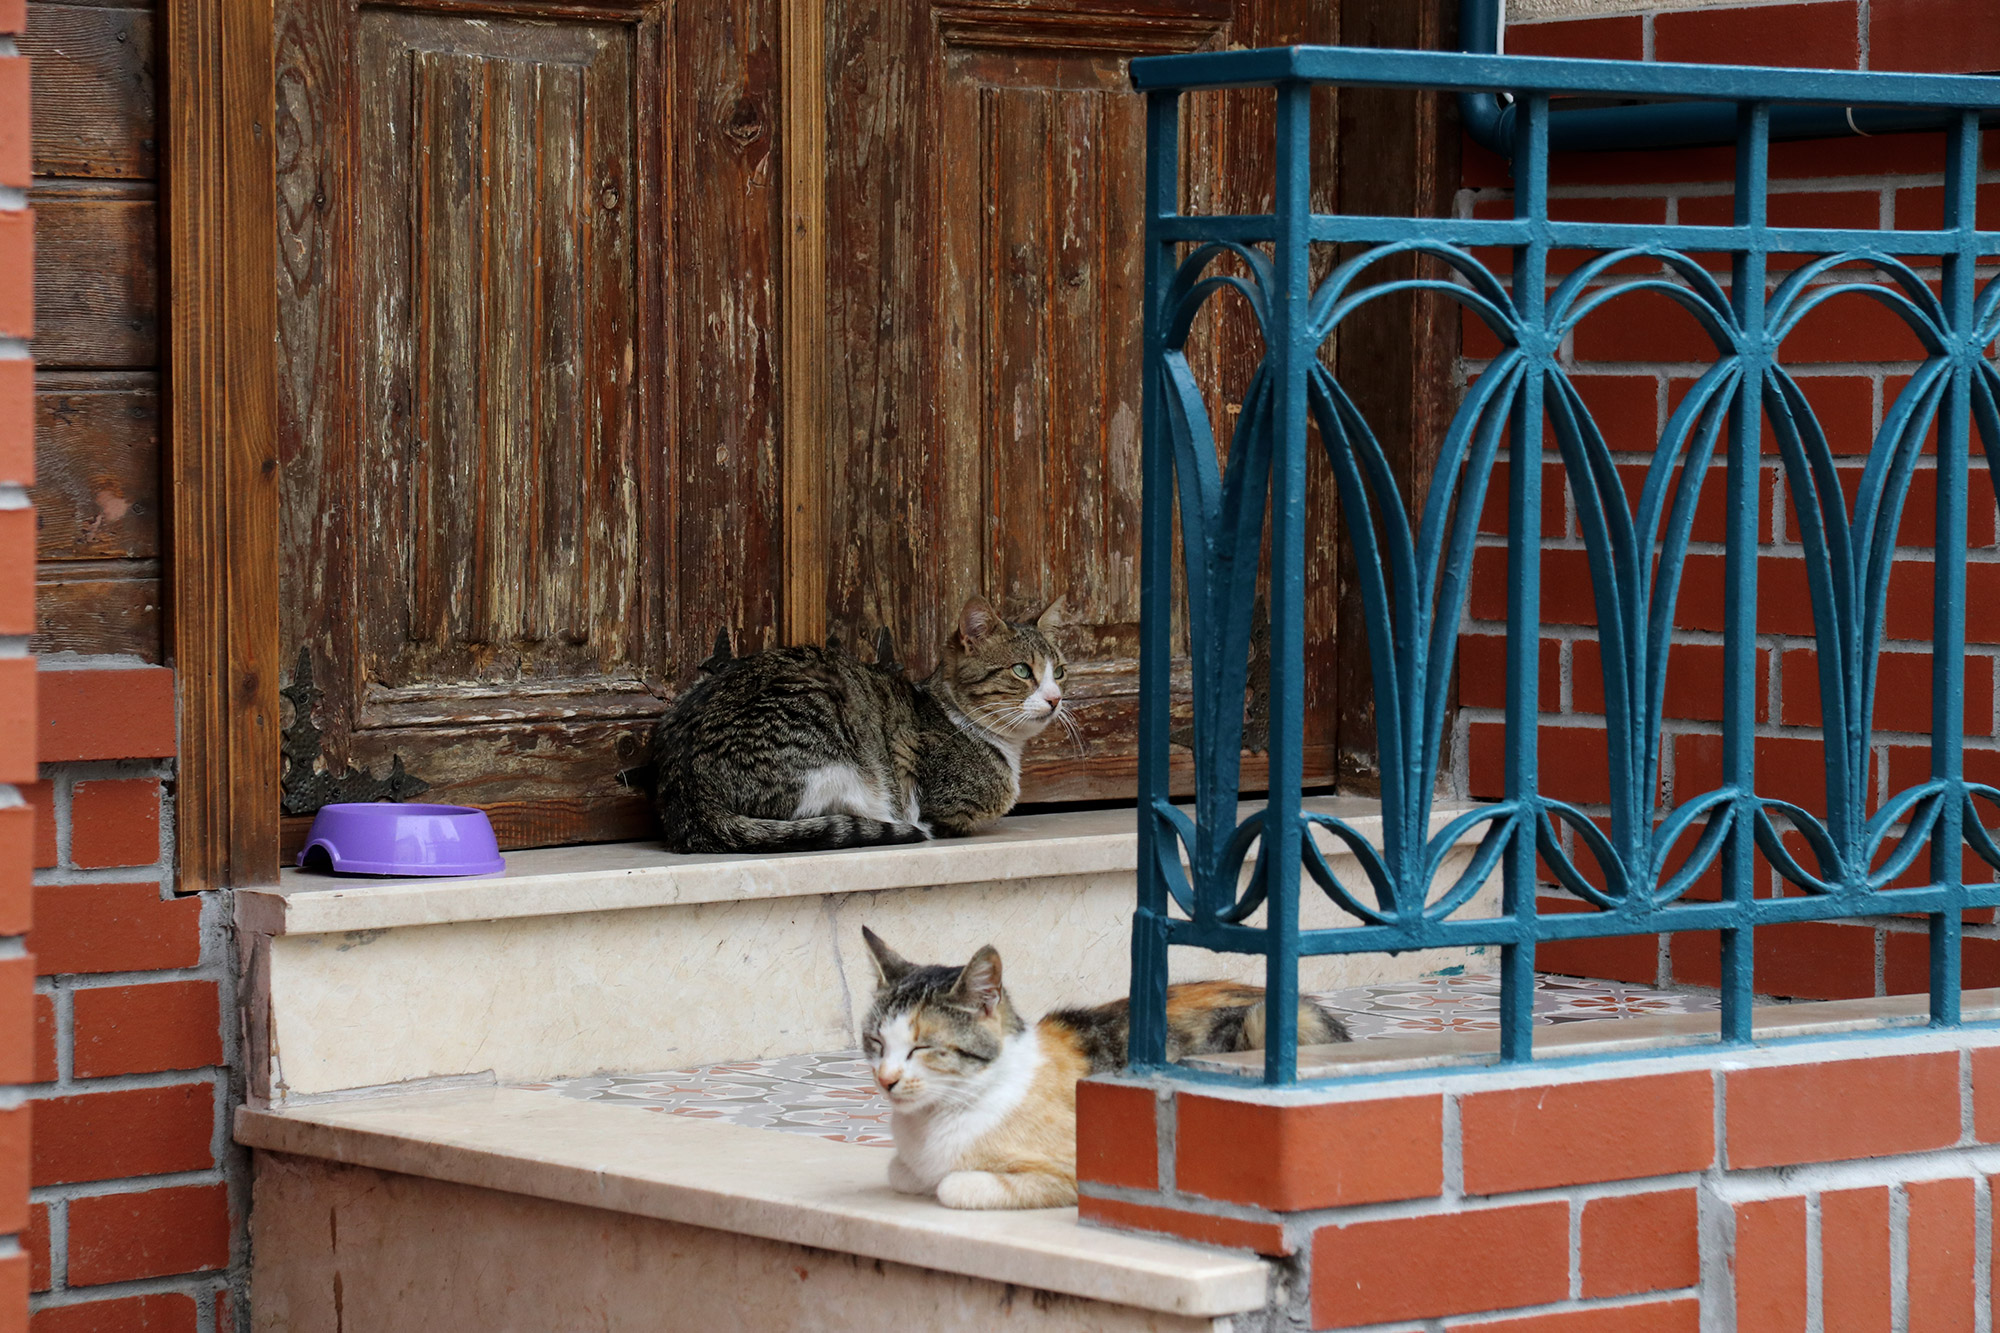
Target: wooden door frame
220, 267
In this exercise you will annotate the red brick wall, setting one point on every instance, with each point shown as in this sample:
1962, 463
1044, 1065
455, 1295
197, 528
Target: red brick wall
135, 1219
1632, 362
17, 668
137, 1206
1762, 1188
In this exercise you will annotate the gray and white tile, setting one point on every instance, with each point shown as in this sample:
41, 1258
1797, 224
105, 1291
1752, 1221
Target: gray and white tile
831, 1095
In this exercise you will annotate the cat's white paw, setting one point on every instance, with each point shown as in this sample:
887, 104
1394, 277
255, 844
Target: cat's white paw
903, 1180
974, 1189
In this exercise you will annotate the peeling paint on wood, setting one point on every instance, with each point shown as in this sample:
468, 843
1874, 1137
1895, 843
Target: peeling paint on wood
527, 419
984, 236
531, 321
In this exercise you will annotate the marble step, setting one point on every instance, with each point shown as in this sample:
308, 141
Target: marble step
499, 1207
625, 957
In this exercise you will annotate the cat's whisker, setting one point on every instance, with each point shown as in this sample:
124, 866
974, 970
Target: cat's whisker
1062, 715
985, 714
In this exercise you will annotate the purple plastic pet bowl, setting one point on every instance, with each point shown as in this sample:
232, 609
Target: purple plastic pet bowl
387, 838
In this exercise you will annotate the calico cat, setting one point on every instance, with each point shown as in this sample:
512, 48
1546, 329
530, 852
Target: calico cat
983, 1107
799, 748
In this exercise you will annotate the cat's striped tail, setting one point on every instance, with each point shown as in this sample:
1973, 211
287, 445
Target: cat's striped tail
727, 831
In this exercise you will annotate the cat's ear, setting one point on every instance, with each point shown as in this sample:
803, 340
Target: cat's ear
977, 620
890, 966
1047, 621
979, 982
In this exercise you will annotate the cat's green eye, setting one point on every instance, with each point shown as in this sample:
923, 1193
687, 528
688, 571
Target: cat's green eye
1059, 671
1021, 670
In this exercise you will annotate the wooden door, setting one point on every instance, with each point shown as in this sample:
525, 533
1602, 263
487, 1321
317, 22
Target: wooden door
526, 295
983, 202
609, 324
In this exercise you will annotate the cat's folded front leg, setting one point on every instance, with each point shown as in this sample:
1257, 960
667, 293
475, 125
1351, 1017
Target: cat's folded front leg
1005, 1189
903, 1180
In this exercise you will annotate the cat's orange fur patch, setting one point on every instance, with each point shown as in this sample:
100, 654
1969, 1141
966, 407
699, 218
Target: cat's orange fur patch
1032, 1154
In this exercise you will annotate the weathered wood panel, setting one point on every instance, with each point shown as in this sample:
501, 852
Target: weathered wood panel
720, 288
523, 254
97, 451
99, 485
316, 216
98, 606
97, 279
984, 196
95, 102
886, 479
496, 464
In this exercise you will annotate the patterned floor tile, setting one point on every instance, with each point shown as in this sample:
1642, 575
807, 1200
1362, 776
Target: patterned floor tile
831, 1095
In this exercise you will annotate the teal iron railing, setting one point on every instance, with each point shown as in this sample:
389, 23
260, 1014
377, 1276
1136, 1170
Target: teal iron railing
1412, 578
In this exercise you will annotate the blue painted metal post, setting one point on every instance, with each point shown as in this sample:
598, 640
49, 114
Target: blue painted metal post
1156, 585
1524, 582
1954, 434
1739, 644
1292, 351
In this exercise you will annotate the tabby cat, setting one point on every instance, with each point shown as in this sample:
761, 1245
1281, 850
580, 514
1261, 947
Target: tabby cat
983, 1107
798, 748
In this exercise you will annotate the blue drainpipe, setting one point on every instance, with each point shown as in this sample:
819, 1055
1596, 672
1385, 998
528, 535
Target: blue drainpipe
1489, 118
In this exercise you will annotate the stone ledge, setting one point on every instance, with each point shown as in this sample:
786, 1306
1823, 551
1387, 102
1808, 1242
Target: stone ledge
754, 1182
610, 877
1667, 1035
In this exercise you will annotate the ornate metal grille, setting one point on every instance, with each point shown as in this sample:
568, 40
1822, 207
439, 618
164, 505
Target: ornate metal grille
1413, 576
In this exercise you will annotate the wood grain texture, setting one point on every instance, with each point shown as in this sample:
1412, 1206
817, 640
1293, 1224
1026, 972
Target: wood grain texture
831, 322
469, 502
528, 393
97, 445
97, 275
98, 606
94, 98
494, 472
222, 461
726, 190
804, 375
984, 233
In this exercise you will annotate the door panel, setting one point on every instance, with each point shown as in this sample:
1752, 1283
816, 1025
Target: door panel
498, 276
985, 230
486, 212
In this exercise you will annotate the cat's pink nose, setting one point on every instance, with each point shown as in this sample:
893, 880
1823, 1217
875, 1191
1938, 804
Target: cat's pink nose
888, 1078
